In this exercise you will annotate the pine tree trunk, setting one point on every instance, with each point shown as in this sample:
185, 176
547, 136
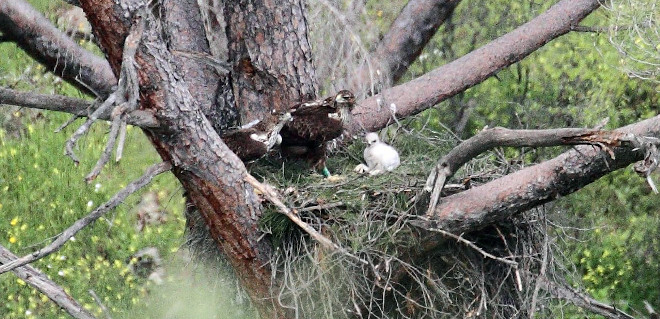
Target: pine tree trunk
271, 68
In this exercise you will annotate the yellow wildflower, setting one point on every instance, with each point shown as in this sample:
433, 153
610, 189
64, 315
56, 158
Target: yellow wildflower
12, 240
14, 221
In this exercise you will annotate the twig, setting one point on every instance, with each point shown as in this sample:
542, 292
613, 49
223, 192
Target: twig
77, 107
474, 246
270, 194
120, 144
563, 291
319, 207
71, 143
117, 199
66, 124
100, 303
544, 266
40, 281
105, 156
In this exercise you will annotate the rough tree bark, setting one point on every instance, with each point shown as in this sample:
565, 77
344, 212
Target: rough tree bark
271, 68
31, 31
208, 170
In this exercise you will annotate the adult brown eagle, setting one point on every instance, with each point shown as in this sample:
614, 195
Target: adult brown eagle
313, 124
252, 141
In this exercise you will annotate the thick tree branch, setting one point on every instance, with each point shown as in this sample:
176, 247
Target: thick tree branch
534, 185
496, 137
117, 199
40, 281
78, 107
473, 68
54, 49
408, 35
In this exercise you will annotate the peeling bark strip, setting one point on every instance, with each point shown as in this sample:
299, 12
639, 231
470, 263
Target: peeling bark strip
270, 54
185, 32
33, 33
473, 68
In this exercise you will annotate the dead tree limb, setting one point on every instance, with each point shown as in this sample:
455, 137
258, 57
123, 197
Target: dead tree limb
127, 94
117, 199
77, 107
499, 136
446, 81
39, 38
40, 281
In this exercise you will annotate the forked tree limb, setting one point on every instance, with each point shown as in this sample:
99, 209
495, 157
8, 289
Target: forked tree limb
127, 95
534, 185
117, 199
488, 139
410, 32
49, 288
473, 68
39, 38
78, 107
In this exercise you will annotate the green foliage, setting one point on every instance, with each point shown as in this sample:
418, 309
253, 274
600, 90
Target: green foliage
42, 193
575, 81
619, 259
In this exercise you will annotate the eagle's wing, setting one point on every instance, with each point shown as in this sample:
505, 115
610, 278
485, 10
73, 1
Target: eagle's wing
312, 108
240, 142
314, 127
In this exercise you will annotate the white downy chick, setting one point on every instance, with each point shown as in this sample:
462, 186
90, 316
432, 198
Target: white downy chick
379, 156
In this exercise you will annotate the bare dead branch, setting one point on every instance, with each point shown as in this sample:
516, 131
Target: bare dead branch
40, 281
438, 85
408, 35
105, 156
71, 143
584, 301
100, 303
498, 136
127, 92
120, 143
474, 246
124, 99
77, 107
272, 196
117, 199
51, 47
